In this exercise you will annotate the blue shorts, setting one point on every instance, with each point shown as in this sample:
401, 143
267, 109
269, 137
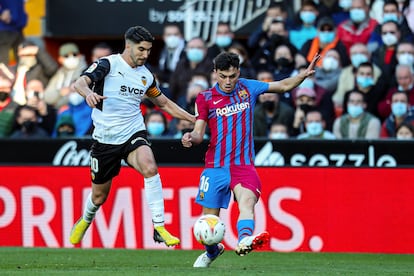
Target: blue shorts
216, 184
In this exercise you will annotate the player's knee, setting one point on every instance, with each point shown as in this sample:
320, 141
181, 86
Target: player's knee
99, 198
149, 171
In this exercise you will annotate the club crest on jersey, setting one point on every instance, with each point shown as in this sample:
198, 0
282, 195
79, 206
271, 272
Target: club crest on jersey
92, 67
144, 80
243, 94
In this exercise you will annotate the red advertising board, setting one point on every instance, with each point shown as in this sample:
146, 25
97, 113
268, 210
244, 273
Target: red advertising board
304, 209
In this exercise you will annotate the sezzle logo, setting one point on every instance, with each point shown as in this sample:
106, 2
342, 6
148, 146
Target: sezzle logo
232, 109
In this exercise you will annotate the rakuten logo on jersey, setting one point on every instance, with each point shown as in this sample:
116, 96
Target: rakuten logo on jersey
232, 109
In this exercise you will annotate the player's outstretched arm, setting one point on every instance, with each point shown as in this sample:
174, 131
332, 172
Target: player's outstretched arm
172, 108
289, 83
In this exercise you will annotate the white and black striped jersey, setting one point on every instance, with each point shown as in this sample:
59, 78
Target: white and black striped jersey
119, 116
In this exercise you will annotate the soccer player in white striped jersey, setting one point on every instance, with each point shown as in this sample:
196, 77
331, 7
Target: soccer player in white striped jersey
114, 87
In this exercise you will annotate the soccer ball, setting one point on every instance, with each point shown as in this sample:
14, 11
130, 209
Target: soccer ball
209, 230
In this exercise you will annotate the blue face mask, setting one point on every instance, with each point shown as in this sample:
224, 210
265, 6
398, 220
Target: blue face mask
307, 17
195, 55
307, 83
365, 82
155, 128
357, 15
398, 109
345, 4
389, 17
357, 59
223, 41
326, 37
314, 128
354, 110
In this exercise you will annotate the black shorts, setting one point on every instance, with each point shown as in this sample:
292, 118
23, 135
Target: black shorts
106, 159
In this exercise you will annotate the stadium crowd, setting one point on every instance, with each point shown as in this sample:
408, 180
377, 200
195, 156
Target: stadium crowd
363, 86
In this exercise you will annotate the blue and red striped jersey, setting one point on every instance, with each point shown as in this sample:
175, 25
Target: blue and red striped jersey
229, 117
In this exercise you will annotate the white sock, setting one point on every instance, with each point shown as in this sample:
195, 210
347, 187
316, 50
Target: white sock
90, 209
154, 197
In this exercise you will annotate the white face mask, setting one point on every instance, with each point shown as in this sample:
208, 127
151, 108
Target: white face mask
75, 98
172, 41
330, 64
389, 39
406, 58
71, 62
278, 135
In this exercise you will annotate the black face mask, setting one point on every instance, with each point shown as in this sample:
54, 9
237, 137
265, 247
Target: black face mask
284, 62
66, 133
269, 106
4, 96
29, 126
305, 107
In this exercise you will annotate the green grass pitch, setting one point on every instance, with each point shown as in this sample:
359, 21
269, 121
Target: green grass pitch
47, 261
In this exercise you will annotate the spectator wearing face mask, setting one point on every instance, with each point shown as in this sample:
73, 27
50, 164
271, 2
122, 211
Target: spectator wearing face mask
359, 54
282, 66
156, 124
325, 40
357, 123
358, 27
7, 107
404, 74
194, 61
173, 50
278, 131
390, 12
223, 39
34, 63
323, 99
27, 126
365, 83
306, 30
35, 98
327, 75
80, 113
65, 127
401, 112
405, 132
72, 64
386, 55
315, 127
305, 100
269, 111
405, 53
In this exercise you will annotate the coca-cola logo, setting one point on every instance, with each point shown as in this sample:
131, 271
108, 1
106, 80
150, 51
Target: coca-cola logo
69, 155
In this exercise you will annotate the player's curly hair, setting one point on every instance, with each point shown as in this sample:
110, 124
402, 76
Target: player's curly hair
138, 33
226, 60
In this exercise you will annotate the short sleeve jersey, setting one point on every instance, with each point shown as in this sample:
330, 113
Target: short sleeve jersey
230, 119
119, 116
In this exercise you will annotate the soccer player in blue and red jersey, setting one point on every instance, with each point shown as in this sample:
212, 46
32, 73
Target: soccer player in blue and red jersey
227, 109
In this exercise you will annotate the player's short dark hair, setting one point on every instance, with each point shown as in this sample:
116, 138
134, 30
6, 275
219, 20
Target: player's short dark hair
225, 60
138, 33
